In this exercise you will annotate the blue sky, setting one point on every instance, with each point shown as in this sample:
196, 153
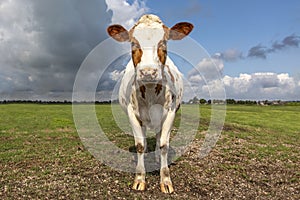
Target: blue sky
253, 44
239, 25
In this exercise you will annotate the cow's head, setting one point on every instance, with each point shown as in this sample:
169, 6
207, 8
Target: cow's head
148, 40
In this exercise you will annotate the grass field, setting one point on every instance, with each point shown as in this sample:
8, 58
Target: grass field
256, 157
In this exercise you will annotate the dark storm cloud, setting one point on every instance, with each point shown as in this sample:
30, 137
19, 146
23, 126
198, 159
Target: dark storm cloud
289, 41
292, 41
260, 51
43, 51
70, 27
70, 30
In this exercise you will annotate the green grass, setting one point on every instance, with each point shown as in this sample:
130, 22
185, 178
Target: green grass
41, 141
278, 118
270, 129
28, 131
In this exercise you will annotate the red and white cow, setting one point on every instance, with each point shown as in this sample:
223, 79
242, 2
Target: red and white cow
151, 88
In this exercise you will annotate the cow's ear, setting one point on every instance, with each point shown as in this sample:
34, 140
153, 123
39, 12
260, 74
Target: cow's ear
118, 33
180, 30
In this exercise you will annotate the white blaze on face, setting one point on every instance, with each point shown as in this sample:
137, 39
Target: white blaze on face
148, 39
149, 32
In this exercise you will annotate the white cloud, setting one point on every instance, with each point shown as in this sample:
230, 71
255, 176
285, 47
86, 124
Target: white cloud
116, 75
257, 86
125, 13
196, 78
207, 82
207, 69
240, 83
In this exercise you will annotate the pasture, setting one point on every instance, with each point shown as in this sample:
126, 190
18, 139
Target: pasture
256, 157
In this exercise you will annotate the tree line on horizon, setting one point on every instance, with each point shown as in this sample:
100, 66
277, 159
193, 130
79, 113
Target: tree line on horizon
195, 100
202, 101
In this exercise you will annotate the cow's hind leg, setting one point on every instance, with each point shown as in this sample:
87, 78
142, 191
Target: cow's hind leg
140, 144
157, 147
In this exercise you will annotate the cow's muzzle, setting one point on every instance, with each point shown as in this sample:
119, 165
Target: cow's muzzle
149, 74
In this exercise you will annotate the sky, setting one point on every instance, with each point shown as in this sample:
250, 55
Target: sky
253, 44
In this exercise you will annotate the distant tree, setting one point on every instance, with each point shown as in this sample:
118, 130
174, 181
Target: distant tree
266, 102
203, 101
195, 100
218, 101
230, 101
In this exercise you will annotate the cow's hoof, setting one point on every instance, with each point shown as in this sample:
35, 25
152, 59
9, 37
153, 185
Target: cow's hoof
167, 187
138, 185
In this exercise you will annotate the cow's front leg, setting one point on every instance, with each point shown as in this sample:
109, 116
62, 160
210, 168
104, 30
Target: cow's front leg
165, 179
140, 144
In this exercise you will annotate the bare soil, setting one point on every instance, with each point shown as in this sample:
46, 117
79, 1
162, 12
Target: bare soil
228, 172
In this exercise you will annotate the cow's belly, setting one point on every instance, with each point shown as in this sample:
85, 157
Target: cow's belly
152, 115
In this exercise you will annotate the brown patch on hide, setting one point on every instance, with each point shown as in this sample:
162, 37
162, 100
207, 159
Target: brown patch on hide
136, 52
165, 171
158, 89
134, 101
143, 91
140, 148
140, 122
162, 51
170, 73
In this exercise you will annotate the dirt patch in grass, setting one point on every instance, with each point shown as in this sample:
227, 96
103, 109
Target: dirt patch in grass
234, 175
59, 130
227, 173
